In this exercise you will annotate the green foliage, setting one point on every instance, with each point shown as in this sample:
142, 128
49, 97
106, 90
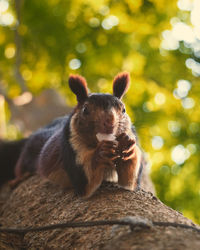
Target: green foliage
98, 39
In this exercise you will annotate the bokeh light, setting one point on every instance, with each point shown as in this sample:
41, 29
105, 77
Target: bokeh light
75, 63
180, 154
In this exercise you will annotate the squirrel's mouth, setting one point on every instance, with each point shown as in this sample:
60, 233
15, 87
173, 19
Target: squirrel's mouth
106, 129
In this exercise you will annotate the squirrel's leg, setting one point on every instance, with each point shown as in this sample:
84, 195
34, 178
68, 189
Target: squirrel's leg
129, 163
100, 159
26, 164
50, 164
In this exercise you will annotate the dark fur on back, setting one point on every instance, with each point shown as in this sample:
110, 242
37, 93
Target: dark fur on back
30, 153
75, 172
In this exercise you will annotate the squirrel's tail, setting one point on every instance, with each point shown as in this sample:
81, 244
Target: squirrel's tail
9, 154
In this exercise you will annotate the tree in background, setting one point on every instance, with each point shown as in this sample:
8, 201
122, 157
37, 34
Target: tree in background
157, 41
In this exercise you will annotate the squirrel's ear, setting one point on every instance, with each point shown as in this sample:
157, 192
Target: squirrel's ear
121, 84
78, 85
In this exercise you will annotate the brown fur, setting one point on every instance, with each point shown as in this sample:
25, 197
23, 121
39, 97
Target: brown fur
118, 160
85, 157
60, 178
128, 170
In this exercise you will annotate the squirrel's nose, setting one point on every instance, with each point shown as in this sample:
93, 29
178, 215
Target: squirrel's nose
108, 124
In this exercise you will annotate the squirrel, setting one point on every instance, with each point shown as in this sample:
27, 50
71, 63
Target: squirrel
96, 142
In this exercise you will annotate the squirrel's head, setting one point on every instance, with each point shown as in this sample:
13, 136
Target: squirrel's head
99, 113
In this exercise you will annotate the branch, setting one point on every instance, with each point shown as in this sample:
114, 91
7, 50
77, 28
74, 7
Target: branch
3, 93
19, 78
132, 221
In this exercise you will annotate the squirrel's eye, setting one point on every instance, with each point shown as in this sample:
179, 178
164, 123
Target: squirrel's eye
123, 110
86, 110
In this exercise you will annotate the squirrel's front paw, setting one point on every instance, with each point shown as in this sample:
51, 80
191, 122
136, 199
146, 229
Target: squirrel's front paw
126, 147
105, 154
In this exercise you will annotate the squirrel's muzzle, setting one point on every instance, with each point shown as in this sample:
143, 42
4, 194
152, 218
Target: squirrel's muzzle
107, 123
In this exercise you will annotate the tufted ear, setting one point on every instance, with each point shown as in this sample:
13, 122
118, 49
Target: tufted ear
121, 84
78, 85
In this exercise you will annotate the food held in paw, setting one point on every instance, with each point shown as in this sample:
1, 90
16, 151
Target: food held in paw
105, 137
